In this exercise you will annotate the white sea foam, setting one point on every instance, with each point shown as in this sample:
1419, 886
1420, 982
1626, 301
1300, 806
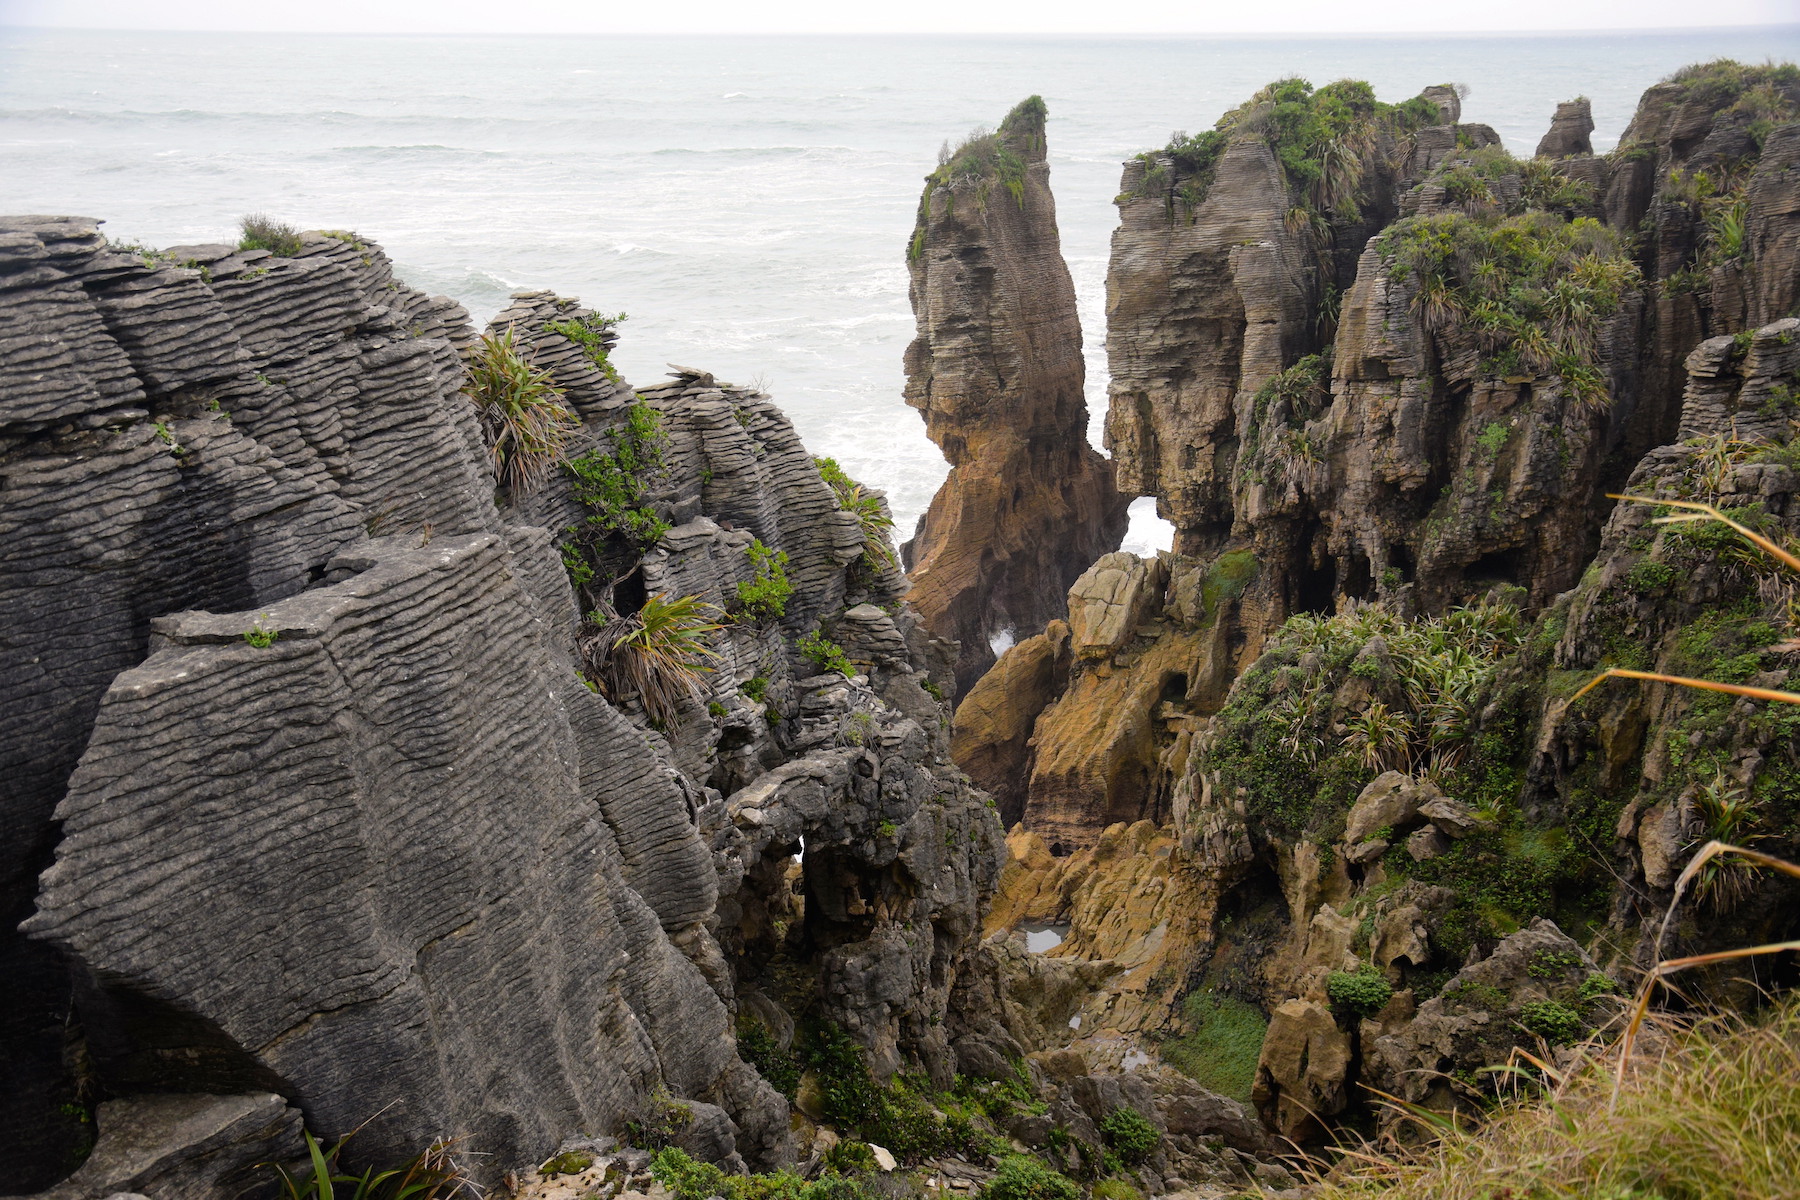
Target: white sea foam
747, 201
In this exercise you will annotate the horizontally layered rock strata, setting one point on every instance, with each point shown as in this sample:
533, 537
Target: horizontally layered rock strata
996, 370
1384, 415
329, 809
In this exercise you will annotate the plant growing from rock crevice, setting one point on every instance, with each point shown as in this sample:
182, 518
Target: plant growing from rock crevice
765, 597
1532, 292
869, 510
613, 488
523, 418
657, 654
591, 332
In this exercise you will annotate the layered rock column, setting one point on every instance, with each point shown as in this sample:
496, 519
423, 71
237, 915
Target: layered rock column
996, 370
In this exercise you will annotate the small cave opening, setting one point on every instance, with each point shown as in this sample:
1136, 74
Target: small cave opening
628, 593
1357, 579
1251, 919
1400, 558
771, 919
1315, 587
1174, 688
1060, 850
1497, 567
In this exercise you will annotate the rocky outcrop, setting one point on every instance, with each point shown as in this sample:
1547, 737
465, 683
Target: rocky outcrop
326, 798
187, 1145
996, 371
1346, 696
1420, 459
1569, 130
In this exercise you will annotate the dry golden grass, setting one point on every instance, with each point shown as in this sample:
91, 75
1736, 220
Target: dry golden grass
1711, 1111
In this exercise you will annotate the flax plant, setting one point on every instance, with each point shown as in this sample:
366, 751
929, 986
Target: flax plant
657, 654
523, 418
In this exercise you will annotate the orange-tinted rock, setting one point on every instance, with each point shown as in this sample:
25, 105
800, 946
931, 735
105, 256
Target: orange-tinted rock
996, 370
991, 735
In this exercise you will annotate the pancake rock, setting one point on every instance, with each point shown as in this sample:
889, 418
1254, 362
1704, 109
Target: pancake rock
996, 370
333, 808
1346, 698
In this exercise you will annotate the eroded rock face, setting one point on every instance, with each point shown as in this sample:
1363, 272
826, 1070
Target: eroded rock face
1569, 130
1397, 565
338, 817
1305, 1063
996, 371
187, 1145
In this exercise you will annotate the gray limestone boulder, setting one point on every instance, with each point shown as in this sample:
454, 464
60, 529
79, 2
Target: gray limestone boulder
187, 1147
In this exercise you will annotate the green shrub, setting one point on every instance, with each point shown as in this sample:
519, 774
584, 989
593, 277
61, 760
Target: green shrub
756, 689
766, 596
870, 513
847, 1092
690, 1180
1595, 986
906, 1124
613, 489
1130, 1134
983, 158
1021, 1177
1361, 993
825, 655
758, 1047
1552, 1020
1534, 290
1320, 137
523, 418
1492, 439
896, 1116
837, 1186
1547, 964
1648, 576
591, 332
1115, 1189
685, 1178
1479, 995
850, 1157
263, 232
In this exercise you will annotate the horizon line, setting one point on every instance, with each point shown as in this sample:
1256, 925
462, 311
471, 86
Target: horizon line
1312, 35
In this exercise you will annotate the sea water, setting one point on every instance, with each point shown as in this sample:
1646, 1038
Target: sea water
746, 200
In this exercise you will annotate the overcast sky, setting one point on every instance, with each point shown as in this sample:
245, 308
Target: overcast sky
898, 16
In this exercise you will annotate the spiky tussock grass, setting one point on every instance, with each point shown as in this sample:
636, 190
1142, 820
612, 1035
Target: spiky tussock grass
1714, 1114
523, 418
657, 653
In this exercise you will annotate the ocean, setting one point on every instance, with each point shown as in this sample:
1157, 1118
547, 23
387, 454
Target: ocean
747, 201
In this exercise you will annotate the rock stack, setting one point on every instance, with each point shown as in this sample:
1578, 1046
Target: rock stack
996, 370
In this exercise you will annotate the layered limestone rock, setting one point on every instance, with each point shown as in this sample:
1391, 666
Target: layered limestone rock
1569, 130
1347, 695
327, 795
1427, 454
996, 370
